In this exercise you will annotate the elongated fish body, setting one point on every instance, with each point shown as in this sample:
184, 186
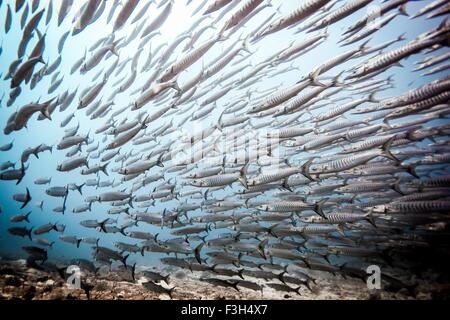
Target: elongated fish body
72, 164
381, 10
90, 96
158, 21
394, 56
216, 5
375, 27
417, 95
306, 9
340, 13
8, 20
345, 163
152, 92
96, 58
19, 119
86, 16
28, 32
19, 5
415, 207
418, 106
21, 232
240, 14
23, 70
280, 97
123, 138
71, 141
113, 196
188, 60
124, 14
63, 10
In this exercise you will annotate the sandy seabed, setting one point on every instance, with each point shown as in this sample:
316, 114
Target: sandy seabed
17, 281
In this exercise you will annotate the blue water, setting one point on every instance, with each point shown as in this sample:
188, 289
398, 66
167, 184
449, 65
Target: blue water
50, 132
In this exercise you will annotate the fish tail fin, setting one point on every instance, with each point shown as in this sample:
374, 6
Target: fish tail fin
314, 77
124, 260
166, 279
198, 251
86, 140
371, 98
45, 112
308, 284
78, 242
29, 233
174, 85
144, 123
41, 60
371, 219
402, 10
221, 36
170, 292
27, 200
246, 45
318, 208
103, 168
262, 247
26, 217
219, 122
335, 81
246, 202
363, 47
36, 151
305, 169
270, 229
386, 150
396, 187
22, 173
102, 225
411, 169
159, 163
80, 188
113, 48
65, 199
243, 175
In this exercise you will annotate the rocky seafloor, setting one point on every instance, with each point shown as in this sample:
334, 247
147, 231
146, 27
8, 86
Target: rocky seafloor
19, 281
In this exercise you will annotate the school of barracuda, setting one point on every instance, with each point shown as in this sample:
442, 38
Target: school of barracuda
322, 174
